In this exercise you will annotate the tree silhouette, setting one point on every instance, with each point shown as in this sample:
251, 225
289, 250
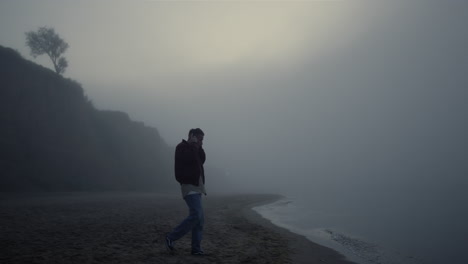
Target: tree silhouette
45, 40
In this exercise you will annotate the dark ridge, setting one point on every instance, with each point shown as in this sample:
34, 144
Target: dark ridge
52, 138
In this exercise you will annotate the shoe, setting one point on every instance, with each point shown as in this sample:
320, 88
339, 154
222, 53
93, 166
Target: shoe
198, 253
169, 244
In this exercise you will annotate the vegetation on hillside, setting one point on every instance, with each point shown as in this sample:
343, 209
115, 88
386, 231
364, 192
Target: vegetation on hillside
46, 41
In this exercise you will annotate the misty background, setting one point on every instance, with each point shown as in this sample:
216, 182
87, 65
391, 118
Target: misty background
302, 95
341, 102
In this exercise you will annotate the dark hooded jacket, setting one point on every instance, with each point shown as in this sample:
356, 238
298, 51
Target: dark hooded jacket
188, 166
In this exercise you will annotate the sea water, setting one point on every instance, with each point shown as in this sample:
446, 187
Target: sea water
416, 232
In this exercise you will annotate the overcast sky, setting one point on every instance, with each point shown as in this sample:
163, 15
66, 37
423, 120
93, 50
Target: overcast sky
320, 92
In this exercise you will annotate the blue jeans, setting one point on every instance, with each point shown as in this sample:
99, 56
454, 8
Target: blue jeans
194, 222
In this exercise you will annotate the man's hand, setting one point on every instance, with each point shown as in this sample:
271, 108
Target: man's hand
194, 141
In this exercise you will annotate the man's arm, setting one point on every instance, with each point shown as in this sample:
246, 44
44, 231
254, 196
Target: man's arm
201, 153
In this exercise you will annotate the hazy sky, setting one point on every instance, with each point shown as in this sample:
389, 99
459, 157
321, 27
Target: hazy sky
324, 93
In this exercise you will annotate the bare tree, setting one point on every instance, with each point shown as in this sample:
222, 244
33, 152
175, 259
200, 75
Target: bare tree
45, 40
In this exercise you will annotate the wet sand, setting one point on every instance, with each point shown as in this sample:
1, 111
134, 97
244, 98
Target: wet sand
130, 228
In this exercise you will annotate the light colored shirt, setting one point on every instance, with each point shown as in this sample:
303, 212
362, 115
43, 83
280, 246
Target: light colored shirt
188, 189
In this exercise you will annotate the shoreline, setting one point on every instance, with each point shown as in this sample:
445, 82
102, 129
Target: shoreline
302, 250
130, 228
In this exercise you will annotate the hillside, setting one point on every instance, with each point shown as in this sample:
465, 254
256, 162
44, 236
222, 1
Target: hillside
53, 139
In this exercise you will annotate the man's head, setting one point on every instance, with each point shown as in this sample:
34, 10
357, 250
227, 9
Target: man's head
196, 135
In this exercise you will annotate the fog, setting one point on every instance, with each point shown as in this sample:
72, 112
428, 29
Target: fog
358, 98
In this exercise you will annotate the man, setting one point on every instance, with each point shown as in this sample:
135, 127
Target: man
189, 172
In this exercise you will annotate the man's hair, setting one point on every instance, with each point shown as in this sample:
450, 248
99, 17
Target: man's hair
196, 132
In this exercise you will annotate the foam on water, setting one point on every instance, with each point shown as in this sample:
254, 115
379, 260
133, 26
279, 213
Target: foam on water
286, 214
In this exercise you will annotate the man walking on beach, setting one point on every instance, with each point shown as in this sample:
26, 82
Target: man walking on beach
189, 172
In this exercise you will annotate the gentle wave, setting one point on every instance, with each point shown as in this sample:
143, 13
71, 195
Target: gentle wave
284, 213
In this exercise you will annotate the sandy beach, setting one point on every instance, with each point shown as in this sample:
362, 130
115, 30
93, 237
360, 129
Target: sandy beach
130, 227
